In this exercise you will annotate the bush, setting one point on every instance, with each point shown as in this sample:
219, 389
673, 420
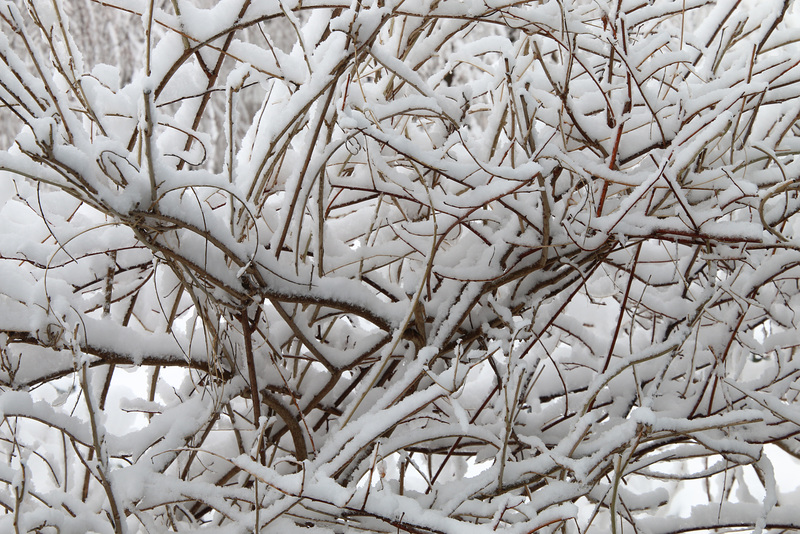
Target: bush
393, 267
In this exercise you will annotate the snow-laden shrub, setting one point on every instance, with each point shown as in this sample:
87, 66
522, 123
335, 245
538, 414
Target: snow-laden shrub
393, 266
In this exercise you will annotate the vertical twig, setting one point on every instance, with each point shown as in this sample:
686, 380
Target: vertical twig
99, 446
251, 366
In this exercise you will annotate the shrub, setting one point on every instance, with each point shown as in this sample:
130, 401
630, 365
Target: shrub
453, 267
